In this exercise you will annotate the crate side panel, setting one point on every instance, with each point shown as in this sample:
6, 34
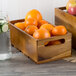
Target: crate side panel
23, 42
53, 50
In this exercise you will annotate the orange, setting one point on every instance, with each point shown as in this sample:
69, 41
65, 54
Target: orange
34, 14
49, 27
41, 34
59, 30
42, 22
56, 42
31, 21
31, 29
20, 25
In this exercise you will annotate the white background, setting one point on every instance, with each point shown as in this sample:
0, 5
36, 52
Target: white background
17, 9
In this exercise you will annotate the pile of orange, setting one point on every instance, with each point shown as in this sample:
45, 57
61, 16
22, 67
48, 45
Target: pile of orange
39, 28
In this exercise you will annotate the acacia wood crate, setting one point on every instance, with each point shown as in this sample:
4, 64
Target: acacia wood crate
35, 49
62, 17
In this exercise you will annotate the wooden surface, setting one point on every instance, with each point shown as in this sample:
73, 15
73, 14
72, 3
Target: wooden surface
69, 21
35, 49
20, 65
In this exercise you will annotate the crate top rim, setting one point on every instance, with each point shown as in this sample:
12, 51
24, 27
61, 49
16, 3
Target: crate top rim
64, 8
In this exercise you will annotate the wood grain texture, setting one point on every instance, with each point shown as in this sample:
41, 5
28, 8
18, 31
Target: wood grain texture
23, 42
35, 49
72, 58
69, 21
20, 65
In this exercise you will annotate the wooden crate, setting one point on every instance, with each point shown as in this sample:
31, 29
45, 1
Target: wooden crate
69, 21
35, 49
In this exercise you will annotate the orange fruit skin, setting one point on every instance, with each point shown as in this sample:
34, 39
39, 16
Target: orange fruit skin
59, 30
20, 25
42, 22
31, 21
34, 14
49, 27
41, 34
56, 42
31, 29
